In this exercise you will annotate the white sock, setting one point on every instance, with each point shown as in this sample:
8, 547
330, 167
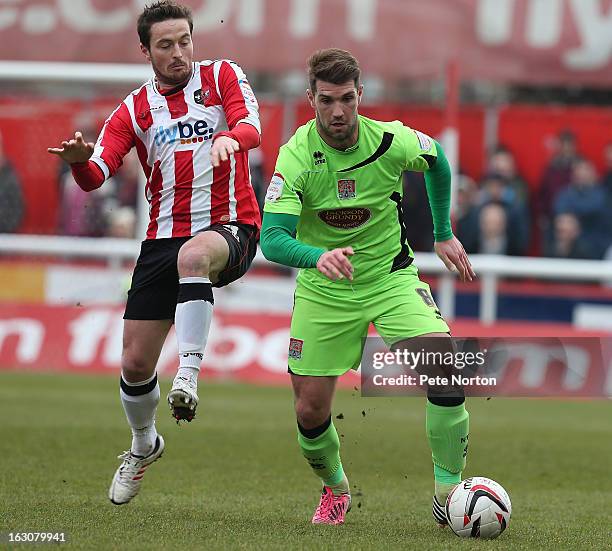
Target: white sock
140, 403
190, 373
192, 321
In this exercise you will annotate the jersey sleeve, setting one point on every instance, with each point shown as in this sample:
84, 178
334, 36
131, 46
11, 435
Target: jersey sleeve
237, 97
116, 139
285, 191
421, 153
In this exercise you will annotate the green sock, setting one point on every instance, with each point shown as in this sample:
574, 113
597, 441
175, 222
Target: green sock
447, 431
323, 455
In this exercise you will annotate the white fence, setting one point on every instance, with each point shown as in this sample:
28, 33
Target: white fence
489, 268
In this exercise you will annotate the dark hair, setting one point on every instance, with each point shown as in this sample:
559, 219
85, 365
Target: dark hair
333, 65
157, 12
566, 135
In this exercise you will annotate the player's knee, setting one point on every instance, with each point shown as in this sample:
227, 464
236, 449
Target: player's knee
311, 414
135, 369
193, 261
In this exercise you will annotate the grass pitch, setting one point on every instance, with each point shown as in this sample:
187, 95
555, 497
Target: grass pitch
234, 478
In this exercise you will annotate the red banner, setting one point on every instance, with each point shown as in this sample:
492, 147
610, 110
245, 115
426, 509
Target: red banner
253, 348
246, 346
518, 40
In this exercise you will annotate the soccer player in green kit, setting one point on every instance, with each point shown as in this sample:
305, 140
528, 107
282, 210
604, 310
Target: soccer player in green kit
333, 209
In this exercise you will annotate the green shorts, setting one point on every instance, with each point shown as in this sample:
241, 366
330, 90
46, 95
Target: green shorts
329, 324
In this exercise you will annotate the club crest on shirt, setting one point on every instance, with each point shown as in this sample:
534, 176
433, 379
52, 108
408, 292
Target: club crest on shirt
200, 96
346, 189
295, 348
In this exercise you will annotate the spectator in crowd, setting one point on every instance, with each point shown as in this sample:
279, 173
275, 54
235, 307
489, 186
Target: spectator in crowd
494, 188
502, 162
257, 176
122, 223
127, 186
607, 178
92, 214
11, 197
82, 214
466, 211
498, 232
482, 228
557, 174
566, 240
493, 224
416, 212
589, 201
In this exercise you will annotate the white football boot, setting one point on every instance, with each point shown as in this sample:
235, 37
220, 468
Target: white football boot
128, 477
183, 398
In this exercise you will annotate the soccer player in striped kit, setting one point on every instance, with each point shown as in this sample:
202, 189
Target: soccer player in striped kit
192, 125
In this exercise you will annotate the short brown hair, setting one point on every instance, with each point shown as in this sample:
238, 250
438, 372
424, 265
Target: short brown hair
333, 65
157, 12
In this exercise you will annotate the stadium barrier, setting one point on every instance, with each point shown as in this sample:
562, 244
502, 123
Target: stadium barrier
489, 268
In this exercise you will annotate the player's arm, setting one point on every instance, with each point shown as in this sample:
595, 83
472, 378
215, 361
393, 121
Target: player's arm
241, 113
77, 152
428, 156
92, 164
278, 242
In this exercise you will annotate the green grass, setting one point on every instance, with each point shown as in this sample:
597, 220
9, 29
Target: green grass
234, 478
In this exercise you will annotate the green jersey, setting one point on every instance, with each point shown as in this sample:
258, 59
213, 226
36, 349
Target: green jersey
353, 197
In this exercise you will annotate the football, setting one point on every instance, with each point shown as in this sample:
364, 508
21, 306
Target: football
478, 507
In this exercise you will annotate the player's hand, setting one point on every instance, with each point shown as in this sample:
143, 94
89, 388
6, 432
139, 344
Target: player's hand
74, 151
452, 253
222, 148
335, 264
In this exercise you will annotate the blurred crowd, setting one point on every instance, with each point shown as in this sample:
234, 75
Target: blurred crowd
567, 215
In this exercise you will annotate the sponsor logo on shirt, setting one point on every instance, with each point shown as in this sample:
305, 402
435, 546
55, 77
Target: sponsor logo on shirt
183, 132
346, 189
275, 189
346, 218
295, 348
424, 140
319, 158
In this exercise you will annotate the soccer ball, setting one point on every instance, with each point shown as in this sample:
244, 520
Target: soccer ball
478, 507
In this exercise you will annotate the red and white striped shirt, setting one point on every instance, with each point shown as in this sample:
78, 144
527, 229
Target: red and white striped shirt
173, 134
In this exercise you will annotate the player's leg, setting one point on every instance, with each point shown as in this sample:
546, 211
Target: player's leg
148, 317
199, 262
326, 341
412, 321
320, 445
317, 435
142, 344
446, 419
213, 258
